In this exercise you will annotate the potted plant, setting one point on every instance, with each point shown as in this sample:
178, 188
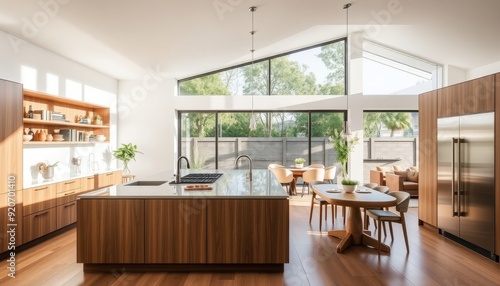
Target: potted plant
349, 186
126, 153
299, 162
343, 147
97, 119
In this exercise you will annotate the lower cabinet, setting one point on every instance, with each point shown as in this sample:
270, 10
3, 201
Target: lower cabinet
39, 224
66, 214
109, 179
110, 231
180, 237
11, 233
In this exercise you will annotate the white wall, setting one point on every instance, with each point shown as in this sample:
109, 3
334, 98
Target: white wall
483, 71
17, 56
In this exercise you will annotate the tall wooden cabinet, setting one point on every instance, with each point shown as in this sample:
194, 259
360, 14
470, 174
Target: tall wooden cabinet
427, 191
470, 97
11, 167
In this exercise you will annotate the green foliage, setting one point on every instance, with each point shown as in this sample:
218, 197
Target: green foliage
348, 182
126, 153
53, 165
343, 146
300, 160
374, 121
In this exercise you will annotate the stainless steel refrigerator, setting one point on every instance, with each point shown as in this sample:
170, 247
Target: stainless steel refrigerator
466, 181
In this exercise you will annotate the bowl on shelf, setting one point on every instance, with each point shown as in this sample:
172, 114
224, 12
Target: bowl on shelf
58, 137
100, 138
27, 137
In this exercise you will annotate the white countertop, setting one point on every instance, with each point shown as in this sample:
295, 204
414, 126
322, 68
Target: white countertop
232, 184
61, 178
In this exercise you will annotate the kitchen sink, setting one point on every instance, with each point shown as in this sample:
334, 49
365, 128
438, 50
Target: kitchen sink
200, 178
146, 183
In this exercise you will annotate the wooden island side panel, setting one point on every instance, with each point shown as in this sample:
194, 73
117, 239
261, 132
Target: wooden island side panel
247, 231
175, 231
110, 231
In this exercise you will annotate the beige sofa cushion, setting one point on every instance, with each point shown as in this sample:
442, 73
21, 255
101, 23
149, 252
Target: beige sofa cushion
412, 176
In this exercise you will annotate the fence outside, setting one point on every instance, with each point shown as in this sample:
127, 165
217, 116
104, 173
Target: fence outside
264, 151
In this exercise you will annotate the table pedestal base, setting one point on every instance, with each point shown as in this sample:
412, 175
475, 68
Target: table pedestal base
354, 234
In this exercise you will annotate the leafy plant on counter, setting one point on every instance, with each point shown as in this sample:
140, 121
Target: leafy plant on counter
126, 153
348, 182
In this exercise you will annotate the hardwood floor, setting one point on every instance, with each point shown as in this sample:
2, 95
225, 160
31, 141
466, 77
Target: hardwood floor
433, 260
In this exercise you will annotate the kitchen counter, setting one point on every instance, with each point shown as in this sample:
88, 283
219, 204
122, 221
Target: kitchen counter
232, 184
61, 177
239, 225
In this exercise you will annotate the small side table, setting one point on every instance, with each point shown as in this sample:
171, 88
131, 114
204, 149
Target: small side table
127, 178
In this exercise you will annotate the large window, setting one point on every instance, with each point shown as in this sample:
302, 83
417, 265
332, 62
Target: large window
390, 138
280, 137
317, 70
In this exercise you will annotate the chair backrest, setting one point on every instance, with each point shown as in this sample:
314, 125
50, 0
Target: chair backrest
272, 166
371, 185
316, 166
313, 175
283, 175
330, 172
402, 200
382, 189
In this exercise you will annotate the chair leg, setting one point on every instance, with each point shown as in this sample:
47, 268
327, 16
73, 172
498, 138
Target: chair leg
312, 208
403, 223
343, 213
303, 185
390, 228
379, 236
334, 208
385, 231
320, 217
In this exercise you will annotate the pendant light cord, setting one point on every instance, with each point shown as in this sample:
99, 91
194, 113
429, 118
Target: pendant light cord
347, 129
252, 33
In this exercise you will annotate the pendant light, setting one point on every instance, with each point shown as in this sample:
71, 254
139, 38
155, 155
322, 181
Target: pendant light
253, 123
347, 126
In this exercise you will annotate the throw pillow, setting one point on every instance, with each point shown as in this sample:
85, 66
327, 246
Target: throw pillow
414, 168
403, 174
398, 167
384, 169
412, 176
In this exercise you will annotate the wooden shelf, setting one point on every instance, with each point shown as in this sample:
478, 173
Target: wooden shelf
60, 123
45, 96
62, 143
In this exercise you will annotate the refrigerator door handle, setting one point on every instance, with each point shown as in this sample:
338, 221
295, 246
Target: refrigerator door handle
453, 180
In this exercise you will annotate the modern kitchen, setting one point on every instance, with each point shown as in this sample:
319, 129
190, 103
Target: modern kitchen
79, 81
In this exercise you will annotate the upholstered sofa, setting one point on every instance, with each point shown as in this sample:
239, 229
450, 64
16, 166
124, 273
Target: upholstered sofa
406, 181
377, 177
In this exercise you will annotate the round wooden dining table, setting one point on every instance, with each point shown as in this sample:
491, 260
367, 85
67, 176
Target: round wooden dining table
363, 198
297, 173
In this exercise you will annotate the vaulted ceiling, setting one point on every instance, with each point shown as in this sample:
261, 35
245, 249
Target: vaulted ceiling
125, 38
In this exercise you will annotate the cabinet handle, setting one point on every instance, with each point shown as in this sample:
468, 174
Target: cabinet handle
90, 178
36, 190
109, 174
72, 204
67, 183
41, 214
67, 194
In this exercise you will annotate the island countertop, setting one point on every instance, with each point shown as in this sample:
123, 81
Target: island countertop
232, 184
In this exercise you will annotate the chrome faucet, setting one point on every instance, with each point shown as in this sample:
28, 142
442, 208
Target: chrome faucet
249, 160
178, 176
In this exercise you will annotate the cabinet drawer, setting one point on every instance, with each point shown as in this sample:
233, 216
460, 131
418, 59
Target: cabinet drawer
66, 214
38, 199
66, 197
109, 179
68, 186
87, 184
39, 224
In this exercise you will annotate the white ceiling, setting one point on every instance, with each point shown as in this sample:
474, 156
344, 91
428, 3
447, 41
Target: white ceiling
126, 38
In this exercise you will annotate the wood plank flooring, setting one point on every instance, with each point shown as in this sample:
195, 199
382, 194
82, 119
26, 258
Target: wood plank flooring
433, 260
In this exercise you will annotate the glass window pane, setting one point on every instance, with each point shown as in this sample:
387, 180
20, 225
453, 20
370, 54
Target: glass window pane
314, 71
198, 139
323, 125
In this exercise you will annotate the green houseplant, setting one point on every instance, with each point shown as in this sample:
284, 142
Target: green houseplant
343, 147
349, 186
97, 119
126, 153
299, 162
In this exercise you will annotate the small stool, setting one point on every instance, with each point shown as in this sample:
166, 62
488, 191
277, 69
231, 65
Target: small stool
127, 178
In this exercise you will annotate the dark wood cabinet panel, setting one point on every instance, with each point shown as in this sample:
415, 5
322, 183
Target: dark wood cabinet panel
66, 214
247, 231
474, 96
427, 190
175, 231
110, 231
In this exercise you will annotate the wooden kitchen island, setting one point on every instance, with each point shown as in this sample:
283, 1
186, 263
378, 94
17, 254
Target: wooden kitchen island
239, 225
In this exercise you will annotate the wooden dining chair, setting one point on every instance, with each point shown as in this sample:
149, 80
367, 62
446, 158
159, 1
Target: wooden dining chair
384, 190
284, 176
318, 200
371, 185
402, 200
311, 175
